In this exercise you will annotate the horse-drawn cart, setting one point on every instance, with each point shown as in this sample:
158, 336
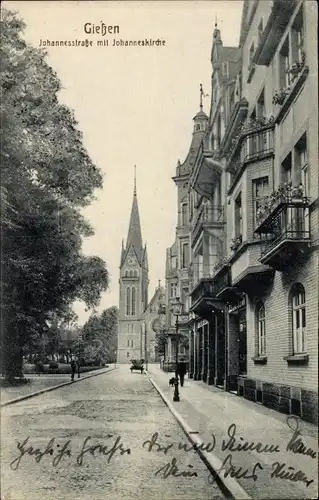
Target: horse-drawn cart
137, 364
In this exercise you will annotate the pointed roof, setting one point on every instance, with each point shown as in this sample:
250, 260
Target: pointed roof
134, 235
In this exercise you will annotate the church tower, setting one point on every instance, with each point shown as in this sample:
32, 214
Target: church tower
133, 289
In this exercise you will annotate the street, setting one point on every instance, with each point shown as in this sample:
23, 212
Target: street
97, 439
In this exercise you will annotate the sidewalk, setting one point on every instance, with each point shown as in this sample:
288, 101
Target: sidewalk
41, 382
209, 410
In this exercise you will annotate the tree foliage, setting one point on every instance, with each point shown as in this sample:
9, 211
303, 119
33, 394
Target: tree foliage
100, 332
47, 177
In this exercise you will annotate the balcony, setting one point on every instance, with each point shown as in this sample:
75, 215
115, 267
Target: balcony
225, 291
207, 217
285, 97
204, 298
206, 172
270, 37
289, 227
253, 142
285, 195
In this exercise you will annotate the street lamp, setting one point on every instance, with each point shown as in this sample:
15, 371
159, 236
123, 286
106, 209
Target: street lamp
177, 308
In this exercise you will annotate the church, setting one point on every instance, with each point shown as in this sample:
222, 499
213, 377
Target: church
138, 319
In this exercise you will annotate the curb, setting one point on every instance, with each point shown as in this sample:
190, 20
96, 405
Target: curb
48, 389
228, 485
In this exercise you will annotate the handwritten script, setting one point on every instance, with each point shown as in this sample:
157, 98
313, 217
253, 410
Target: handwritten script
233, 443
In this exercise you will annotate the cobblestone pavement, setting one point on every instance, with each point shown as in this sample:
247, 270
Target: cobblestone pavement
211, 411
120, 411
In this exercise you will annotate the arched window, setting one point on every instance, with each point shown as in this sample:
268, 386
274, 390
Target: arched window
298, 309
261, 329
126, 274
131, 274
133, 310
197, 126
135, 274
184, 213
128, 301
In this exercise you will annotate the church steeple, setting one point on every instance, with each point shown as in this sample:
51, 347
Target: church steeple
134, 235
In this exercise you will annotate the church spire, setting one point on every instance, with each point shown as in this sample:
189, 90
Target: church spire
134, 236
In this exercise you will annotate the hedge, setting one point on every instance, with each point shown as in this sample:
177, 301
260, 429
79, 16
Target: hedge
63, 369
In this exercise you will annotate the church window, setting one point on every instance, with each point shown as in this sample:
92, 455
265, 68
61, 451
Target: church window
135, 274
128, 301
126, 273
133, 310
131, 274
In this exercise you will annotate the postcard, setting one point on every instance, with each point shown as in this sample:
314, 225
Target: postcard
159, 221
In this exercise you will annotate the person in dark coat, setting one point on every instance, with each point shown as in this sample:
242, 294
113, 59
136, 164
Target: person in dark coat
73, 369
181, 371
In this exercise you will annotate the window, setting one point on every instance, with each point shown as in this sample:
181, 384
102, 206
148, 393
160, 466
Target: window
238, 217
185, 257
286, 169
133, 309
298, 303
184, 214
185, 299
260, 31
127, 354
128, 301
284, 62
297, 38
260, 191
128, 343
251, 55
225, 69
301, 164
132, 343
173, 290
173, 262
261, 329
197, 127
260, 110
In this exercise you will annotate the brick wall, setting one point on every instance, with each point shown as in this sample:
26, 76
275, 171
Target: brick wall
277, 328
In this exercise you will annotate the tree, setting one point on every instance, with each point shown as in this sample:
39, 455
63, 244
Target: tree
160, 341
103, 328
47, 176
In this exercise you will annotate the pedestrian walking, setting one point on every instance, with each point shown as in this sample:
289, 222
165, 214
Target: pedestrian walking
73, 369
181, 371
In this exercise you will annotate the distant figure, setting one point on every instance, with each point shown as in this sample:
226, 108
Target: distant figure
73, 369
181, 371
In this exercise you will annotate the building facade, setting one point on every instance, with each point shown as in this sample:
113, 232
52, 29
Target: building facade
253, 214
178, 255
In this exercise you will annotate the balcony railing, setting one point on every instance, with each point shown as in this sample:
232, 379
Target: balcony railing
290, 230
204, 288
285, 195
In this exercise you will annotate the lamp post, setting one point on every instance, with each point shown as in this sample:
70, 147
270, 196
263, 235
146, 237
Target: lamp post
177, 308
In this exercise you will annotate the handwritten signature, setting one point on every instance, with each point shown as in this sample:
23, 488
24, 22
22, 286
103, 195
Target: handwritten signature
233, 443
57, 452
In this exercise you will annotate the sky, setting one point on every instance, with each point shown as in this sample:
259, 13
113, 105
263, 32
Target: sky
135, 106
